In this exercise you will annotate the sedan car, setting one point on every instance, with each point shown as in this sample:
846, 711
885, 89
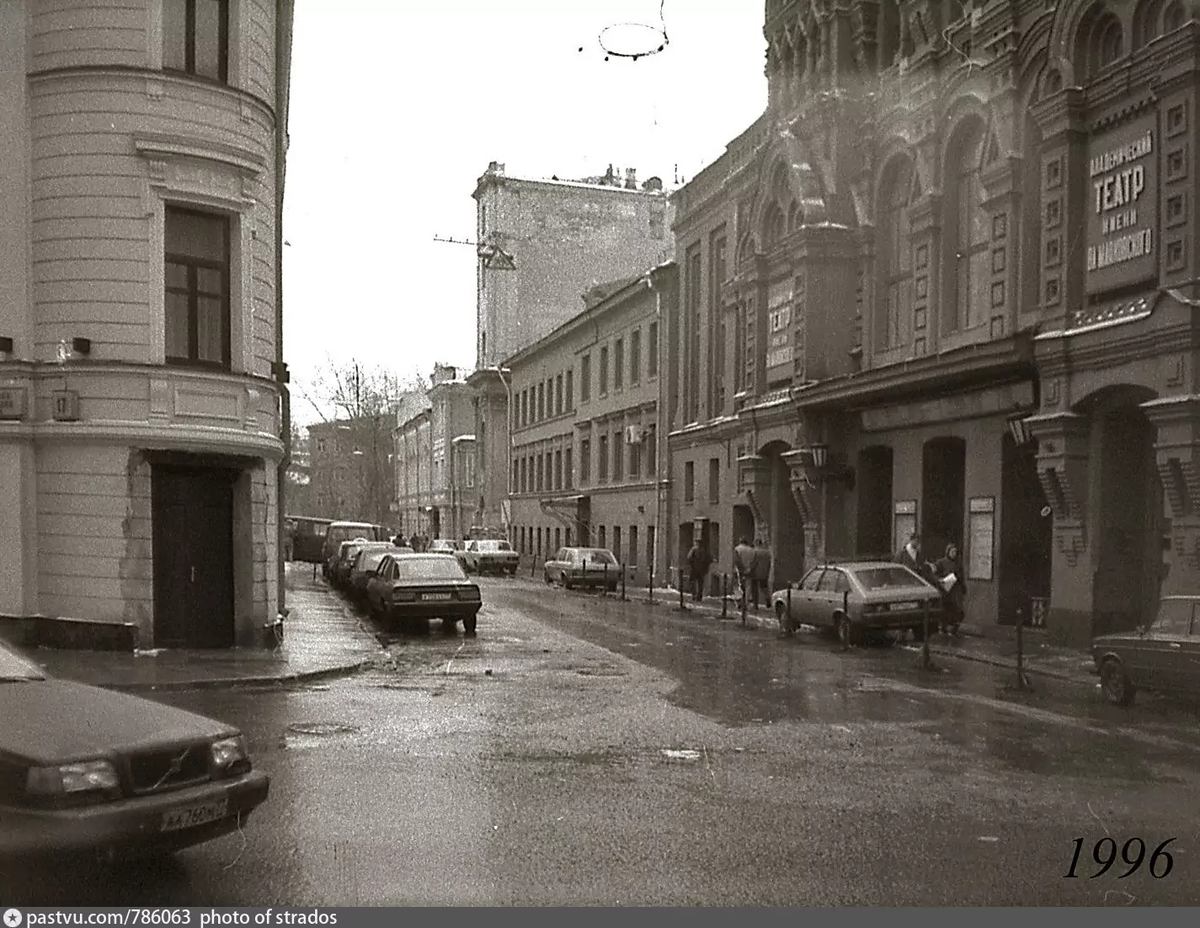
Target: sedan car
486, 555
858, 597
411, 588
341, 570
84, 769
583, 567
450, 546
366, 562
1164, 657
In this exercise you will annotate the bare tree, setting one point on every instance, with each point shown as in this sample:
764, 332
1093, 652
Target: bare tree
353, 390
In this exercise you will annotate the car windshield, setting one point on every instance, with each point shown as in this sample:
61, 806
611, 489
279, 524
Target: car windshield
14, 668
1174, 618
597, 557
429, 568
445, 544
886, 578
494, 546
371, 560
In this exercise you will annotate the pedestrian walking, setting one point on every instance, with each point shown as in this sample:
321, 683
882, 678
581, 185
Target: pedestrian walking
414, 540
699, 560
948, 571
760, 576
910, 557
743, 566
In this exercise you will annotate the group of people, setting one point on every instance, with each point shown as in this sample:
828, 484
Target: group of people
751, 564
945, 574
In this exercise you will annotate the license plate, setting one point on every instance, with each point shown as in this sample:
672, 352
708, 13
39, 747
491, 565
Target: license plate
426, 597
192, 816
901, 606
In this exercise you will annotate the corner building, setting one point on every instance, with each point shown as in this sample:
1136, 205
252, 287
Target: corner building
141, 179
944, 284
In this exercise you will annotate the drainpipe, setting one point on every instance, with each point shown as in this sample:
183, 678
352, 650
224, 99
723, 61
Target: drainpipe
660, 433
508, 419
283, 15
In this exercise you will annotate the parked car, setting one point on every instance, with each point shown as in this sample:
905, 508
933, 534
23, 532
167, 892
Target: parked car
486, 555
84, 769
583, 567
366, 562
859, 597
1165, 656
449, 546
346, 531
339, 568
409, 588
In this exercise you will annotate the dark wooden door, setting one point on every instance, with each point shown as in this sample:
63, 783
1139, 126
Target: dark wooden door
193, 557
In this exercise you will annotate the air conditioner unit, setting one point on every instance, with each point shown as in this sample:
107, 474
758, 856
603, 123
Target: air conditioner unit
634, 434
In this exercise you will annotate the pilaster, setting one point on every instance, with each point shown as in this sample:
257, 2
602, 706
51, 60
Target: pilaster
1062, 462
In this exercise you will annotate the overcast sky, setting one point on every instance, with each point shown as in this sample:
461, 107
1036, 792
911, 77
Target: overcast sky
397, 106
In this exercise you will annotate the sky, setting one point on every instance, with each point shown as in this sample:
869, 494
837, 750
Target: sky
398, 106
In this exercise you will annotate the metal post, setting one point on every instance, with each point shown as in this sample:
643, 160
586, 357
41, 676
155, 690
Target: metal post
724, 596
787, 619
925, 637
532, 566
1022, 679
743, 607
604, 589
652, 582
846, 617
623, 572
682, 607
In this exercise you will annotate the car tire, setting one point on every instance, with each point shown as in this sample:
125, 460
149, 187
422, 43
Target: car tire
845, 631
918, 633
546, 577
1115, 683
469, 623
449, 626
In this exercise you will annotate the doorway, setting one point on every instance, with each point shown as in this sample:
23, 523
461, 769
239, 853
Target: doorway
192, 538
1026, 534
943, 491
874, 503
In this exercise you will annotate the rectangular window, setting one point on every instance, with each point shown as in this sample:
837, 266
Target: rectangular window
633, 551
714, 480
616, 548
541, 402
603, 388
652, 451
689, 482
601, 538
568, 471
540, 474
197, 288
619, 364
558, 395
602, 460
618, 450
524, 475
585, 378
516, 475
585, 461
652, 350
635, 356
650, 547
523, 406
558, 470
635, 459
196, 38
570, 390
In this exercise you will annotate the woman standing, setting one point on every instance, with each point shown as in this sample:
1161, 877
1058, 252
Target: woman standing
954, 589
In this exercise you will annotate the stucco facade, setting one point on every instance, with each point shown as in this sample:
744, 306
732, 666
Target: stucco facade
886, 322
140, 376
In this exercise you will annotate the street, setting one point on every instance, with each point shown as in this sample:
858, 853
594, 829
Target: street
584, 750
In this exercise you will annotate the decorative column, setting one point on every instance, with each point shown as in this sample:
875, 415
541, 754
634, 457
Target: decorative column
754, 480
808, 490
1062, 463
1177, 457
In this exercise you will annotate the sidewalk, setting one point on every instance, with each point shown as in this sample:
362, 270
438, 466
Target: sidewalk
322, 638
995, 646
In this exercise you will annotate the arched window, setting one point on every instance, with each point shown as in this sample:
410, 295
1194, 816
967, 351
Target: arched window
894, 256
1099, 42
795, 217
1109, 41
1173, 17
964, 231
887, 34
773, 226
1146, 20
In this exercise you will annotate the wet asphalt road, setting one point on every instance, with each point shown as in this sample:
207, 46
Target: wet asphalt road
581, 750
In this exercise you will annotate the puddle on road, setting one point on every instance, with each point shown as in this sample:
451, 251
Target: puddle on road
311, 734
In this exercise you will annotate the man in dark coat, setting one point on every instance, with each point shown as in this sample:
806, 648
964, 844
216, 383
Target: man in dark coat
761, 575
699, 560
910, 557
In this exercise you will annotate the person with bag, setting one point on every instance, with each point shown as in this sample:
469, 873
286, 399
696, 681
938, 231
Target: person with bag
760, 575
743, 567
950, 581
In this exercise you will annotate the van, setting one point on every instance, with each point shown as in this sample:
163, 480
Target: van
347, 531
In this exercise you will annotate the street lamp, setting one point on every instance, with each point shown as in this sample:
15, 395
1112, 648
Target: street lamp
1018, 428
820, 454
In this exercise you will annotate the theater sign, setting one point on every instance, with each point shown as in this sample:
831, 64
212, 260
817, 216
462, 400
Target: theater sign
1122, 207
780, 359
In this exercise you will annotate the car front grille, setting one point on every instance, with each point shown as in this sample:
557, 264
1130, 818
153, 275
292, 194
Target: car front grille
161, 770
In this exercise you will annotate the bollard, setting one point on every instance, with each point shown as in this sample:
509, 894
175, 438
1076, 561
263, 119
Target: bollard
925, 664
787, 619
651, 583
743, 606
1022, 679
623, 572
532, 566
846, 614
724, 596
682, 607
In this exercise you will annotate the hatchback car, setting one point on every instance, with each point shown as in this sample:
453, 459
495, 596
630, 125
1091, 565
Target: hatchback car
487, 555
84, 769
366, 562
1164, 657
410, 588
341, 570
859, 597
583, 567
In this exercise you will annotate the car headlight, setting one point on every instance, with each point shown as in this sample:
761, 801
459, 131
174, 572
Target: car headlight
229, 755
72, 779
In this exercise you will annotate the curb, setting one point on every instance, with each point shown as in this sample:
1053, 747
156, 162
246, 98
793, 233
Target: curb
214, 683
997, 662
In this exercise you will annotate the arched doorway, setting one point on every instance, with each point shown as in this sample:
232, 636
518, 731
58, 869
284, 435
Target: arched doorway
874, 537
1128, 556
1026, 534
943, 491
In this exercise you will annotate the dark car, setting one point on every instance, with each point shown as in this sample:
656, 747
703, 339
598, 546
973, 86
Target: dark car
368, 559
583, 567
307, 536
1164, 657
410, 588
337, 532
490, 556
92, 770
859, 597
340, 574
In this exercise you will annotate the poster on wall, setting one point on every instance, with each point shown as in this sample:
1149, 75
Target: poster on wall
981, 535
779, 333
1122, 206
904, 522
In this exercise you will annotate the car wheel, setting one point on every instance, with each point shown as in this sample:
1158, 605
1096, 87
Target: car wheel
844, 630
1118, 689
449, 626
918, 633
546, 577
469, 625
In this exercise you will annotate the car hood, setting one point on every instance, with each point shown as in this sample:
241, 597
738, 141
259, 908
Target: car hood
53, 721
